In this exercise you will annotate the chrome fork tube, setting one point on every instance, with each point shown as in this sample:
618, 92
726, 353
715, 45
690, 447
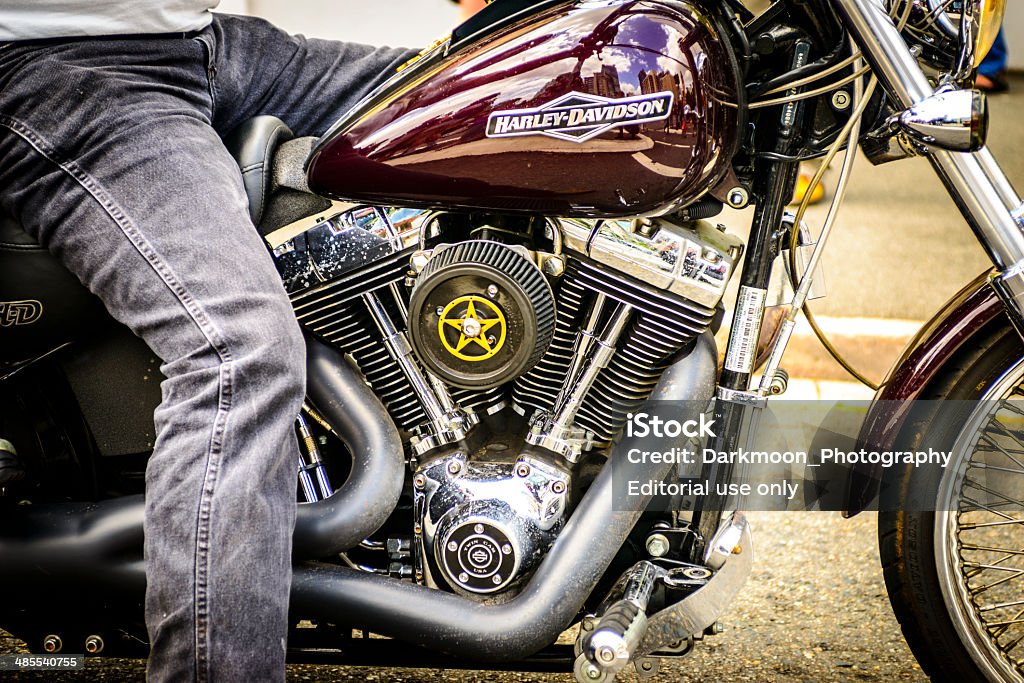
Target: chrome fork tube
975, 181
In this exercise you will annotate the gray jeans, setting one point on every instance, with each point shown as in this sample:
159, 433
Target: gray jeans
111, 157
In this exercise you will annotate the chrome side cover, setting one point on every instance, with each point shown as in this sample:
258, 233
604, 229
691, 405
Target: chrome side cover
694, 260
340, 240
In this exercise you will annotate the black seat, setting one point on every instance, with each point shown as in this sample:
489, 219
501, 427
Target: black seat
253, 144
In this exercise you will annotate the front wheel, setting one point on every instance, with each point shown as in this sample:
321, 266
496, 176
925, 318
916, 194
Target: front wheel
954, 569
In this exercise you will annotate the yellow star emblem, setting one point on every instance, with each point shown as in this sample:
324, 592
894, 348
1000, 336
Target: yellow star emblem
473, 327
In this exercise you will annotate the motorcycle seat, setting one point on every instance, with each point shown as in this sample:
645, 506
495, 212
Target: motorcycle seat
253, 144
259, 147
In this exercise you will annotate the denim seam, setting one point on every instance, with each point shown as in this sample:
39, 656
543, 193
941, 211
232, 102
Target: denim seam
213, 336
211, 71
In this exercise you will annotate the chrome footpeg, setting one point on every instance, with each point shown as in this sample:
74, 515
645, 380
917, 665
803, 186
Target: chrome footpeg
625, 633
607, 645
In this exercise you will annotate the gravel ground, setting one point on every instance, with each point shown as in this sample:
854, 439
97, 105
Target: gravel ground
814, 610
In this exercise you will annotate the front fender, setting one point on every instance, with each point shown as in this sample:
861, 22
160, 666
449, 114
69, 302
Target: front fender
962, 319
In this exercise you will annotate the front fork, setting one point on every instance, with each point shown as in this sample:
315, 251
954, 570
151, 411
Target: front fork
979, 187
986, 198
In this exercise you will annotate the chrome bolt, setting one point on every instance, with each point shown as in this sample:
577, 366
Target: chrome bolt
841, 100
588, 623
717, 628
417, 528
52, 644
419, 260
94, 645
606, 654
644, 226
464, 577
646, 666
554, 266
419, 481
558, 487
738, 198
454, 467
506, 549
440, 310
522, 470
491, 339
471, 327
496, 580
592, 672
478, 528
492, 291
658, 545
453, 546
648, 229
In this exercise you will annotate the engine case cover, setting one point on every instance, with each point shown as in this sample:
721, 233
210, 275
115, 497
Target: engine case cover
480, 314
484, 525
585, 109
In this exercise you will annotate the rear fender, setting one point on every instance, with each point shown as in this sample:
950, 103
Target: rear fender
965, 317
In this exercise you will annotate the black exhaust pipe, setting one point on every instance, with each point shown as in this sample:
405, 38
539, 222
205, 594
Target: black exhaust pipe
556, 592
365, 501
432, 618
90, 543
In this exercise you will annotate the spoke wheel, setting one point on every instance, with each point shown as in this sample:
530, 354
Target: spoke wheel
952, 545
979, 531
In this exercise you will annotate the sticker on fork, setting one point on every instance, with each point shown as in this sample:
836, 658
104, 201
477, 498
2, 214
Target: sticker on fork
746, 329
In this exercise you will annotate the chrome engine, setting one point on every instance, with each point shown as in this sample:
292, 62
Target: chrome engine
485, 524
557, 344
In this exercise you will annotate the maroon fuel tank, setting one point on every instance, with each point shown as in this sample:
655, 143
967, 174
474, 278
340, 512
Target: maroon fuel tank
592, 109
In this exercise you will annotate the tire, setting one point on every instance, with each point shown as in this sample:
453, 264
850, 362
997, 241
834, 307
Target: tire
913, 551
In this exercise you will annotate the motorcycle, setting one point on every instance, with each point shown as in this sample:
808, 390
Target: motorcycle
500, 256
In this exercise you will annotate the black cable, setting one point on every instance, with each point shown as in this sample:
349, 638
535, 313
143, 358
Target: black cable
757, 89
775, 156
736, 25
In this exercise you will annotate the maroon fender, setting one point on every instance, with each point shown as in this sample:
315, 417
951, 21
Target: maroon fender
585, 109
960, 320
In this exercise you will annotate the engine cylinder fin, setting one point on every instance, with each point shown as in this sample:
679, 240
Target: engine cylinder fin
338, 291
664, 325
335, 312
384, 376
480, 401
536, 390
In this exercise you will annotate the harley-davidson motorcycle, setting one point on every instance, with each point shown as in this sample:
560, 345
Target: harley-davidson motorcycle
497, 256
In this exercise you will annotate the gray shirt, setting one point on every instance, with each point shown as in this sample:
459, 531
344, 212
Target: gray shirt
30, 19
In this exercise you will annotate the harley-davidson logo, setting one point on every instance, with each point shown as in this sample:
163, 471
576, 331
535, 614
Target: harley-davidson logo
579, 117
20, 312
